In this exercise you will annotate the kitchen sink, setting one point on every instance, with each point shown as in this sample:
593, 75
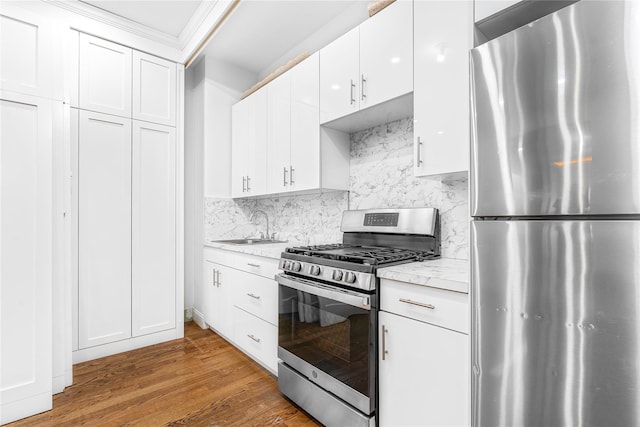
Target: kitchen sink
251, 241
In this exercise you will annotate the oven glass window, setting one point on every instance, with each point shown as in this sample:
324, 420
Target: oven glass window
330, 335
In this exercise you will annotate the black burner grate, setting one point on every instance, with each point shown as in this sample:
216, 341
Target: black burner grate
370, 255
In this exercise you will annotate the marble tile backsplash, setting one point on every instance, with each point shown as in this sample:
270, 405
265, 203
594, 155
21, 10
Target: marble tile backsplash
381, 176
305, 219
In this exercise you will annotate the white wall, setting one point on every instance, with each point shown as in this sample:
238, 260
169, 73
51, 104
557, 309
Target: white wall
341, 24
212, 87
224, 83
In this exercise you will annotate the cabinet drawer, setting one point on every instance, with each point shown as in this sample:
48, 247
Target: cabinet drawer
257, 295
436, 306
265, 267
257, 338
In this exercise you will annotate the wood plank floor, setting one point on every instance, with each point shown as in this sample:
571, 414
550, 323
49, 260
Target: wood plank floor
200, 380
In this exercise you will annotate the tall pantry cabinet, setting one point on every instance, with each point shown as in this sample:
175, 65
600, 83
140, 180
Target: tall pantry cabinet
125, 159
33, 365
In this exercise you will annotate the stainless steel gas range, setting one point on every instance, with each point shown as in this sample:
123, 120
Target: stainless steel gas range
328, 303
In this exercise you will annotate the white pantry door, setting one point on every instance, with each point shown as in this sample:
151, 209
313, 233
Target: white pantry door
153, 287
104, 215
26, 220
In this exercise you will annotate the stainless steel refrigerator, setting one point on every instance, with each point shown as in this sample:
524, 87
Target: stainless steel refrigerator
555, 196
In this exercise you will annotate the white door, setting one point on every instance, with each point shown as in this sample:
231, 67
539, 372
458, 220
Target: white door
104, 215
208, 293
257, 144
279, 126
29, 57
154, 89
153, 225
26, 256
304, 171
239, 147
386, 54
443, 37
105, 76
220, 280
339, 77
434, 361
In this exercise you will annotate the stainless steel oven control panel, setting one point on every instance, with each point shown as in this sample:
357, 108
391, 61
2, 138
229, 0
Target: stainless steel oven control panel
354, 279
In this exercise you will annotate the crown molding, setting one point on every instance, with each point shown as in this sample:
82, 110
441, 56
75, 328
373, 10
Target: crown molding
195, 22
91, 12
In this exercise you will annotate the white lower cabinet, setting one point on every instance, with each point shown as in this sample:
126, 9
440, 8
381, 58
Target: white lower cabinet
256, 337
26, 218
241, 302
217, 293
423, 368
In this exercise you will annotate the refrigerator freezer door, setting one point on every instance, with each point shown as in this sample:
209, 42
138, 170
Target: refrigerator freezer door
556, 115
555, 323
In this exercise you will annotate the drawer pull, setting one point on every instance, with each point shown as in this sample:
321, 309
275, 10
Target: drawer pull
419, 304
254, 296
253, 265
254, 338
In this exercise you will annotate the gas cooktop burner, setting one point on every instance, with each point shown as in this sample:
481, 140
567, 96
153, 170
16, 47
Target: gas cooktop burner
367, 255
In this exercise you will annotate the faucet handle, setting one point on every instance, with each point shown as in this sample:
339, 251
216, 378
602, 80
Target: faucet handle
262, 235
273, 236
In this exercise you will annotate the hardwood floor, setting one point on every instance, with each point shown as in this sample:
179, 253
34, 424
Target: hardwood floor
200, 380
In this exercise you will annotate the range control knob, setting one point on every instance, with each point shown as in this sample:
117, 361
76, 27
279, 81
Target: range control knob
314, 270
295, 266
285, 265
337, 275
349, 277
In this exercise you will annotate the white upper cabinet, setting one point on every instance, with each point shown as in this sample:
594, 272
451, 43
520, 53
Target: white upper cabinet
386, 54
443, 37
487, 8
279, 133
154, 89
30, 59
300, 155
340, 77
26, 218
304, 173
293, 143
249, 148
153, 284
105, 76
369, 65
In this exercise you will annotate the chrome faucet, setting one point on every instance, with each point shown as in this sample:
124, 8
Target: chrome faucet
253, 214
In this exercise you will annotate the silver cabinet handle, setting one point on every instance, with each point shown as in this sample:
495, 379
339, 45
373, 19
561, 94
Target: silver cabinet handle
363, 95
219, 274
248, 178
419, 304
213, 278
384, 343
419, 150
285, 176
253, 338
254, 296
353, 98
244, 184
253, 265
291, 169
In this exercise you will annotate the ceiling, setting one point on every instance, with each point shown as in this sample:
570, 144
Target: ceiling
167, 16
256, 34
261, 31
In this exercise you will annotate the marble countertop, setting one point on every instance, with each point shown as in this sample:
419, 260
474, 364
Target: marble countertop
267, 250
443, 273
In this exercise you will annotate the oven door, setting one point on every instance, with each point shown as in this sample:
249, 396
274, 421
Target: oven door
328, 335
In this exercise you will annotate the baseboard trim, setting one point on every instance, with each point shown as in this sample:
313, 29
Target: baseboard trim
199, 319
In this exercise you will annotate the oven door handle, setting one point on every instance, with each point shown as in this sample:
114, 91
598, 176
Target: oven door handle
351, 298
